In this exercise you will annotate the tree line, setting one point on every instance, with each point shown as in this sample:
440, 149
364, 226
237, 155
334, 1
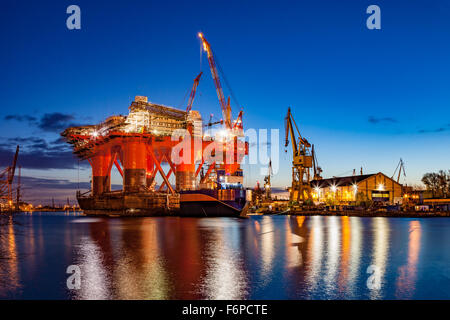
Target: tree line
438, 183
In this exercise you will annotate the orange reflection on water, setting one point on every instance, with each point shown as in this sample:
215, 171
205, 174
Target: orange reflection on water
300, 220
294, 242
345, 255
145, 277
9, 273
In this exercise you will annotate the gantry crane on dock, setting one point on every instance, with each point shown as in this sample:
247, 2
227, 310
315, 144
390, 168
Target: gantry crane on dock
302, 162
267, 182
6, 182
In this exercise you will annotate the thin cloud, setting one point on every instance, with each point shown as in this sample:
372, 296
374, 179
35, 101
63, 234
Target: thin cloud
37, 153
34, 183
36, 159
20, 118
375, 120
49, 122
436, 130
52, 122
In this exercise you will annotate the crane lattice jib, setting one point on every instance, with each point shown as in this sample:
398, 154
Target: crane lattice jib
290, 129
193, 91
215, 76
13, 167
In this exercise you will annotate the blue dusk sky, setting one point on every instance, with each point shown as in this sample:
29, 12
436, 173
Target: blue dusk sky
364, 97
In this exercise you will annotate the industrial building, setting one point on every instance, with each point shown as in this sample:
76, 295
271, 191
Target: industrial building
350, 190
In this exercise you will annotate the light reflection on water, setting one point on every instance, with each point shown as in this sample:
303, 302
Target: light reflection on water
315, 253
333, 244
9, 273
273, 257
381, 230
355, 256
225, 278
408, 273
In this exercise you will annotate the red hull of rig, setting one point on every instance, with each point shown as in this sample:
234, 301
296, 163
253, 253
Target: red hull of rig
138, 145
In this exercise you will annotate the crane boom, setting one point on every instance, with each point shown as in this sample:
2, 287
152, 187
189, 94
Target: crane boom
226, 109
316, 169
313, 153
290, 129
193, 91
400, 167
13, 167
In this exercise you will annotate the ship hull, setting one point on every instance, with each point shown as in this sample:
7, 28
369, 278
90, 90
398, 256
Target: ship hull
191, 204
203, 205
138, 204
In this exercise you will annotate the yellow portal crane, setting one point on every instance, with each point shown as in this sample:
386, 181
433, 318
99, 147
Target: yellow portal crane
302, 162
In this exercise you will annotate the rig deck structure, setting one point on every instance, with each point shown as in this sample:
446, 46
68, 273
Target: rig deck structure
138, 145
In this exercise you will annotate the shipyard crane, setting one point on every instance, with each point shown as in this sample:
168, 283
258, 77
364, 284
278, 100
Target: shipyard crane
7, 178
400, 167
302, 162
13, 167
211, 123
317, 171
267, 182
233, 129
193, 91
225, 106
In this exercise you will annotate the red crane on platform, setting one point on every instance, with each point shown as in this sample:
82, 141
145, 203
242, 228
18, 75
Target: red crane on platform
193, 91
225, 106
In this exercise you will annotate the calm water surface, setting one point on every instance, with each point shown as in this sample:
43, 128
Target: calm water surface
263, 257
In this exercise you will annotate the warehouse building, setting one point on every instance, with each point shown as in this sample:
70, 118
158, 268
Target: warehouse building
350, 190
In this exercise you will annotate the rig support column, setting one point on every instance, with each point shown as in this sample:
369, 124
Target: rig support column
185, 172
151, 172
101, 173
135, 164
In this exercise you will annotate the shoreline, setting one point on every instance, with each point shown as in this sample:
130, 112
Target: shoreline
368, 214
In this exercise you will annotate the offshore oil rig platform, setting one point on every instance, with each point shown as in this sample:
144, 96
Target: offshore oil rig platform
209, 179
